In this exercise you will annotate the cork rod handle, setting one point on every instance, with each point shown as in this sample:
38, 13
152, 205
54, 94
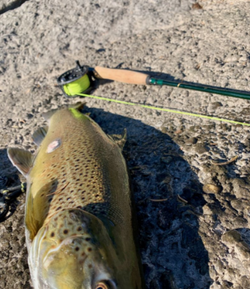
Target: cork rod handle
121, 75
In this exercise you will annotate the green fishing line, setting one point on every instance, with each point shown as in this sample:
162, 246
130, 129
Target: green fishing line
76, 87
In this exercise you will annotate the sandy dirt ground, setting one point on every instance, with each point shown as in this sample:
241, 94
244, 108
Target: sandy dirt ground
193, 214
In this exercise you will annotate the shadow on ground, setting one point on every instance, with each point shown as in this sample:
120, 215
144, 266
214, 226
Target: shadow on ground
8, 192
168, 199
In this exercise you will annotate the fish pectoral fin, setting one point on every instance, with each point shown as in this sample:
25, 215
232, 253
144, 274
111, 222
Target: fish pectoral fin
21, 159
120, 140
37, 208
39, 135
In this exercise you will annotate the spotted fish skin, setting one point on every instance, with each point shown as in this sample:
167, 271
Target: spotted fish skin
78, 215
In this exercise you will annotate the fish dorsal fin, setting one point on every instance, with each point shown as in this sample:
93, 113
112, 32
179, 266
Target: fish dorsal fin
21, 159
39, 135
120, 140
37, 207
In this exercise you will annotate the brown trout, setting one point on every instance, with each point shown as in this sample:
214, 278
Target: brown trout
78, 217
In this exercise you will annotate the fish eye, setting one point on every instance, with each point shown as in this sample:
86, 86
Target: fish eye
101, 285
105, 285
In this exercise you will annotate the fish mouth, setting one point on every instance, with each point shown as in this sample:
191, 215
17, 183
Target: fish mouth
73, 251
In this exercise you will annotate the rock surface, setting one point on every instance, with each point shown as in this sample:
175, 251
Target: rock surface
193, 210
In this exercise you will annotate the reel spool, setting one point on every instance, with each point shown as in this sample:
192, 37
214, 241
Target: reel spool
76, 80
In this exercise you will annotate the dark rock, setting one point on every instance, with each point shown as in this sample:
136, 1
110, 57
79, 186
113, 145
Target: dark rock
201, 148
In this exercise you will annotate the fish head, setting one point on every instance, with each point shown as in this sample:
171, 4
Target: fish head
73, 251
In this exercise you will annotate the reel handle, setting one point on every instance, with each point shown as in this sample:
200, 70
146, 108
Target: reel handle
121, 75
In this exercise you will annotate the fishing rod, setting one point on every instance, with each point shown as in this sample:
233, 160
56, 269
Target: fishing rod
81, 80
